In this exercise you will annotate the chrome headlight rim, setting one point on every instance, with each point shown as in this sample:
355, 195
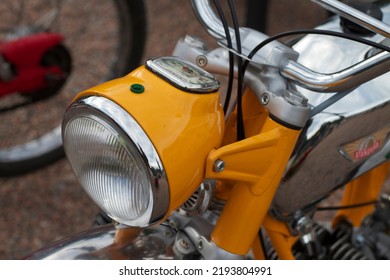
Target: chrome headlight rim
106, 111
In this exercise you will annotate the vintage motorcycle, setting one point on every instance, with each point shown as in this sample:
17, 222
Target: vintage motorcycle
182, 177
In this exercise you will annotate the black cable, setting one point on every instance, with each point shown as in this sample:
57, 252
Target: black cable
328, 102
312, 31
337, 97
231, 56
333, 208
240, 78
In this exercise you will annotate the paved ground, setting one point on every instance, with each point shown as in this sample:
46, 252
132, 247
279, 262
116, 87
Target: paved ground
39, 208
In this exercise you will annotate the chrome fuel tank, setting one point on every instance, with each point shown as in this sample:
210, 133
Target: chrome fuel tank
345, 140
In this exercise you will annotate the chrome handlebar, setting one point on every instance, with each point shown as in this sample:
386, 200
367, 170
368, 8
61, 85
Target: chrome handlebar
355, 16
346, 79
209, 19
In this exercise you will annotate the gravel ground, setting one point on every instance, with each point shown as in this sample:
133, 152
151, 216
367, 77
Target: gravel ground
41, 207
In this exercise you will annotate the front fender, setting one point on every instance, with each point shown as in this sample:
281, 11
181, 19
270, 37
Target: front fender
106, 242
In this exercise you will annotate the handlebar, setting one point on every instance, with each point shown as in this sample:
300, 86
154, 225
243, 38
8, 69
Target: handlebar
209, 19
343, 80
340, 81
355, 16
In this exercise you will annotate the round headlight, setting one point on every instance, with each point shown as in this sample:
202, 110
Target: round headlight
115, 161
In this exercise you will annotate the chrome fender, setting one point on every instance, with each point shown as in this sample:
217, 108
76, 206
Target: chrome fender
107, 242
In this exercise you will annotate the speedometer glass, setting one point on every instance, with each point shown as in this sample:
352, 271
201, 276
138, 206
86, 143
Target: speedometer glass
183, 75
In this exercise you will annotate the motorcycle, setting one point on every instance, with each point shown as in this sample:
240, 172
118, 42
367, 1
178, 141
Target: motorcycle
183, 177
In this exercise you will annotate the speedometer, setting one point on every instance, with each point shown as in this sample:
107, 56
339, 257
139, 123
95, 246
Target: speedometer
183, 75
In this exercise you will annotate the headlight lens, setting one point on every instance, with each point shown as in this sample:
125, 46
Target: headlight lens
115, 161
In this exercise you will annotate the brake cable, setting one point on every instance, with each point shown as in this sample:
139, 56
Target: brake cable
319, 108
231, 56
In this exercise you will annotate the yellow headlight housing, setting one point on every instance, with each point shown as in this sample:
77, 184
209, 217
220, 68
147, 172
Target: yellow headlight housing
138, 144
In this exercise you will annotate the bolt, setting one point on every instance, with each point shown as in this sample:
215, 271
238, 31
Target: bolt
218, 166
265, 98
359, 240
200, 244
385, 198
304, 225
184, 244
172, 223
167, 233
201, 61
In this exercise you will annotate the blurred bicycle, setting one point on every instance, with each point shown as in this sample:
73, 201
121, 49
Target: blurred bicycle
50, 50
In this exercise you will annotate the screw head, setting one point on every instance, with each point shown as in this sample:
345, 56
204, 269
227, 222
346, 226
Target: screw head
200, 244
172, 224
304, 225
218, 166
184, 244
201, 61
265, 98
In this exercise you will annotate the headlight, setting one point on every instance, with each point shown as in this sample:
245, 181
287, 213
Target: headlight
115, 161
139, 144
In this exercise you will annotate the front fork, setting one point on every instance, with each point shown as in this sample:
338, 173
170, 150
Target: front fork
248, 172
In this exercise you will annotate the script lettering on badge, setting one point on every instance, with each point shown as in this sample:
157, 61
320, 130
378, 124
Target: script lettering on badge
366, 146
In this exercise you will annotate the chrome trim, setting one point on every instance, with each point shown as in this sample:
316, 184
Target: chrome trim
209, 19
274, 53
356, 16
99, 244
200, 81
317, 167
158, 242
105, 109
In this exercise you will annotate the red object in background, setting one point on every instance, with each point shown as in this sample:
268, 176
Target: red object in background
25, 55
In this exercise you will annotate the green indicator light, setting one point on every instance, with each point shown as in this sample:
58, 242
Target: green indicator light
137, 88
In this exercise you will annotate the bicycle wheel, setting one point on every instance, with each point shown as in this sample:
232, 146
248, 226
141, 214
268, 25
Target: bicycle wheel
101, 40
